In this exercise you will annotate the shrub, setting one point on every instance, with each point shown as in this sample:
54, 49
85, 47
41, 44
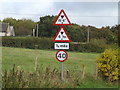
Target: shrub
86, 48
108, 65
27, 42
46, 43
99, 42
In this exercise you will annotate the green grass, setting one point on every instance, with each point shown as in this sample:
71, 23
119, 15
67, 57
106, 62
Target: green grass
25, 58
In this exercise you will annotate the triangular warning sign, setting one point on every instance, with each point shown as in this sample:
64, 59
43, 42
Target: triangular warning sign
62, 36
62, 19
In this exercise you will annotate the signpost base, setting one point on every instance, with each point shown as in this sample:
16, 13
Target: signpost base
61, 71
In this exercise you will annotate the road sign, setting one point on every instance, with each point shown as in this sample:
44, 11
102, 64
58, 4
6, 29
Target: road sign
62, 19
62, 36
61, 46
61, 55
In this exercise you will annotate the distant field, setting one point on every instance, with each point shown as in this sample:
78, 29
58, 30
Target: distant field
25, 58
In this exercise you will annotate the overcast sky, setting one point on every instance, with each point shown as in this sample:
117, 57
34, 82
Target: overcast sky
89, 12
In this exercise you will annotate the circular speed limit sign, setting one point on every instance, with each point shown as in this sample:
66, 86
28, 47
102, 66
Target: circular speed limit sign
61, 55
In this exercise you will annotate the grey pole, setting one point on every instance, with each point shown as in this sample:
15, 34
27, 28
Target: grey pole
37, 30
88, 34
61, 67
33, 32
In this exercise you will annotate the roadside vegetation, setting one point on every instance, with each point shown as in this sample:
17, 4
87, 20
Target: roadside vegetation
27, 68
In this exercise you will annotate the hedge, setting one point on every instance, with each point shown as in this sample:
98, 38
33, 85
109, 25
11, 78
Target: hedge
86, 48
46, 43
28, 42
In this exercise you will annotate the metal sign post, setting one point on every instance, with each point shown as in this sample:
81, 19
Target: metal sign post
61, 69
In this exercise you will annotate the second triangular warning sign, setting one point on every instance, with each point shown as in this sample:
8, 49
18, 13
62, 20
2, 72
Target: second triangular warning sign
62, 19
62, 36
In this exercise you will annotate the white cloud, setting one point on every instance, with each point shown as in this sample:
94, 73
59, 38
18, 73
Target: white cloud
24, 9
26, 0
59, 0
95, 21
97, 14
87, 13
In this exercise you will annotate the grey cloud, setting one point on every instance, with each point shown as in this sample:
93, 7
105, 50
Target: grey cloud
86, 13
15, 7
89, 8
90, 13
95, 21
119, 12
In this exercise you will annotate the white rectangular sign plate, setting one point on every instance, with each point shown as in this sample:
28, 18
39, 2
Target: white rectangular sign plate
61, 45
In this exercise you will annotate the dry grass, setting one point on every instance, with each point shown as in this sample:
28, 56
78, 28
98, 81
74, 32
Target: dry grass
40, 78
50, 78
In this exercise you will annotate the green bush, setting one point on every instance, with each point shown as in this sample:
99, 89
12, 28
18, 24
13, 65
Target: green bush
27, 42
86, 48
100, 42
47, 43
108, 65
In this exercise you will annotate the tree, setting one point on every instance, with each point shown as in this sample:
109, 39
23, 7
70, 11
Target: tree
22, 27
46, 28
76, 32
11, 21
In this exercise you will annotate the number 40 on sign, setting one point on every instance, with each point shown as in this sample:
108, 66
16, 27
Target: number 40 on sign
61, 55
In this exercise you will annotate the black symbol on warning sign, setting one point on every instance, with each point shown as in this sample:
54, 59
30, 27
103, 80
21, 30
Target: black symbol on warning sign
62, 32
61, 36
61, 20
62, 16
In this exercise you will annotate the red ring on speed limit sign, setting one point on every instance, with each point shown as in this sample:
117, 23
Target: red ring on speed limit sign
61, 55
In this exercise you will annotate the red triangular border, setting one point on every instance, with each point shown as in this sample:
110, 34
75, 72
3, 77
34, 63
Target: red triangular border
58, 17
61, 40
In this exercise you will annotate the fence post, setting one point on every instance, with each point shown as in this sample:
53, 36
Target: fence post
83, 71
96, 71
35, 67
